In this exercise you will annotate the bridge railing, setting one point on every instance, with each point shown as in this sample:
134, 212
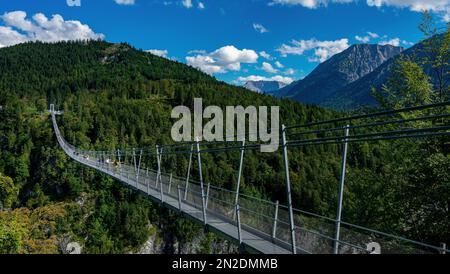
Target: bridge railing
419, 122
312, 233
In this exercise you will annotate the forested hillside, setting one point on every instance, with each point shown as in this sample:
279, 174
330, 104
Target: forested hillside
115, 96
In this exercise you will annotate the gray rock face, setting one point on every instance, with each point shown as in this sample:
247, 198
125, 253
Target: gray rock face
264, 86
340, 70
359, 92
162, 242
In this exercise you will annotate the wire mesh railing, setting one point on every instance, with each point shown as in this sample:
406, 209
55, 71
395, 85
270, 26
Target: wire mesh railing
313, 233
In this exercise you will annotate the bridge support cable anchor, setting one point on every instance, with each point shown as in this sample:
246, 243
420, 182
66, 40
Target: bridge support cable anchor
158, 176
179, 198
127, 171
147, 181
158, 161
288, 189
341, 191
199, 158
160, 173
238, 224
275, 219
135, 167
107, 157
120, 164
207, 195
139, 168
101, 156
170, 184
188, 173
238, 184
108, 161
105, 166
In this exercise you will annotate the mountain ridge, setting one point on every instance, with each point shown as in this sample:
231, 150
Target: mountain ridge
337, 72
359, 93
263, 86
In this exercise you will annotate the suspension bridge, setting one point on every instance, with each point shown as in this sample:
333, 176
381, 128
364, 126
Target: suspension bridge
262, 226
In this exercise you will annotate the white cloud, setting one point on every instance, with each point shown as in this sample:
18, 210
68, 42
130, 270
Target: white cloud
124, 2
289, 71
382, 40
446, 16
265, 55
260, 28
19, 29
268, 68
362, 39
394, 42
278, 78
223, 59
187, 3
441, 7
279, 65
373, 35
407, 43
9, 37
322, 49
414, 5
17, 19
197, 51
158, 52
366, 38
311, 4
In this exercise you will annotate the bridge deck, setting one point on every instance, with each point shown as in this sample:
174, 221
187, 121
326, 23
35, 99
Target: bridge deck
252, 241
266, 226
214, 222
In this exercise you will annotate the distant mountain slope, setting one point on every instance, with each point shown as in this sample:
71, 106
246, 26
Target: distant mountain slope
264, 86
337, 72
359, 93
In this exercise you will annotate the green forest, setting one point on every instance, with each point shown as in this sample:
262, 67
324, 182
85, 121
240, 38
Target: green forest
115, 96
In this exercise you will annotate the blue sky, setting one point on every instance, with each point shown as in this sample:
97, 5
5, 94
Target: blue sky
231, 39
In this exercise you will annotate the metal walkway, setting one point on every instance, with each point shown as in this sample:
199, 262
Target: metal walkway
171, 195
261, 226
